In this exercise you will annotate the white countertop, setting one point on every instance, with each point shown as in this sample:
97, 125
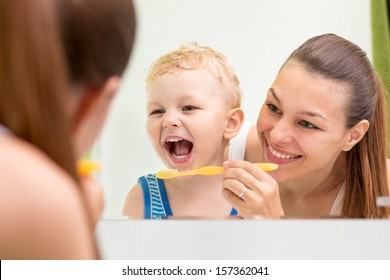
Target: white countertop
324, 239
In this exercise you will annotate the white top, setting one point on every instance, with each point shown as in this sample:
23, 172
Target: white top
238, 143
338, 203
237, 151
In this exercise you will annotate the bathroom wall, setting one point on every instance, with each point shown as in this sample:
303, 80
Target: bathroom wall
256, 35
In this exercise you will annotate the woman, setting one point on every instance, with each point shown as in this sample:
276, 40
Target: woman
60, 66
323, 123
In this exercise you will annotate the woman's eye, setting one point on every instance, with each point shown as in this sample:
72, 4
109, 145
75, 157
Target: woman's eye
188, 108
308, 125
273, 108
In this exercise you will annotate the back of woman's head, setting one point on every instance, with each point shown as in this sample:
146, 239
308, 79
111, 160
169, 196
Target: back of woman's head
44, 46
332, 57
98, 37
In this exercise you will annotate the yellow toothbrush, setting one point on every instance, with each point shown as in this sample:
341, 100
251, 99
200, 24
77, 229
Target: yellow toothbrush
206, 171
86, 167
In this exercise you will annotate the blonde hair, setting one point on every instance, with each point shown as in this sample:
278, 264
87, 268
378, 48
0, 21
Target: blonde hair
193, 56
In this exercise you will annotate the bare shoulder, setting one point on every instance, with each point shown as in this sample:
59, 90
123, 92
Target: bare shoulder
134, 203
253, 146
41, 209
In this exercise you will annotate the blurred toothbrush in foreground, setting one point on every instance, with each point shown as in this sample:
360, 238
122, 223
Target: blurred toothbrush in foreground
87, 167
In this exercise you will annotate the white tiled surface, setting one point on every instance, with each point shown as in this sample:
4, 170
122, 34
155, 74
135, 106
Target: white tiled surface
239, 239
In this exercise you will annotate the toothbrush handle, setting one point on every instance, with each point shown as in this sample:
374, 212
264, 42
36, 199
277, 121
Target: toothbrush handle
267, 166
187, 173
211, 170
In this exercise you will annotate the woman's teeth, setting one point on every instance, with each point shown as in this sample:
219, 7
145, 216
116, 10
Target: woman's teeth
279, 155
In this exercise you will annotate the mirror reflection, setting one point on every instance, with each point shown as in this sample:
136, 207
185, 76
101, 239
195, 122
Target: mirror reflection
186, 119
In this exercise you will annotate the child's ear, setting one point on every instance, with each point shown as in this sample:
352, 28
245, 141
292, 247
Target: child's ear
356, 134
234, 121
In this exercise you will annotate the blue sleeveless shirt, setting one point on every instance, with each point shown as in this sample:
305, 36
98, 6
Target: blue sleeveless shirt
156, 203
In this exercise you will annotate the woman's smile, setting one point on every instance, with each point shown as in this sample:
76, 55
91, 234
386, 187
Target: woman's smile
279, 156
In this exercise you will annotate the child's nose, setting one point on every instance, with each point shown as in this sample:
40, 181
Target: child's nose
171, 120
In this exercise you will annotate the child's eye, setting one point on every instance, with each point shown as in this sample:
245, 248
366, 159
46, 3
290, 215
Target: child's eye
308, 125
188, 108
273, 108
156, 112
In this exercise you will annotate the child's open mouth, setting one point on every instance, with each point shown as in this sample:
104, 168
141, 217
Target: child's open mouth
179, 149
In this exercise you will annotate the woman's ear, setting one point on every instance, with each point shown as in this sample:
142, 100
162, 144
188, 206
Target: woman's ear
91, 96
356, 134
91, 113
234, 121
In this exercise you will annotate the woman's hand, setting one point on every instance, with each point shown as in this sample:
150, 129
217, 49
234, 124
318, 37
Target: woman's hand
94, 194
251, 191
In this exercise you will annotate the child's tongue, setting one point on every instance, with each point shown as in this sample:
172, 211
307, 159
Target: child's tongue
181, 148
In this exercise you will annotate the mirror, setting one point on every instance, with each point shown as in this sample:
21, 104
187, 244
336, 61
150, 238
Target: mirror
255, 35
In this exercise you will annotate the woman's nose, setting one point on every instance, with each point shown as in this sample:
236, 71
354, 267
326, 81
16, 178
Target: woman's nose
282, 132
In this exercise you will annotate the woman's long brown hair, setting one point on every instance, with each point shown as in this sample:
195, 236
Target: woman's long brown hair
338, 59
33, 82
47, 45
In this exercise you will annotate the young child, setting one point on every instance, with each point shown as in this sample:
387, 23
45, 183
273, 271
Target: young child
193, 111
